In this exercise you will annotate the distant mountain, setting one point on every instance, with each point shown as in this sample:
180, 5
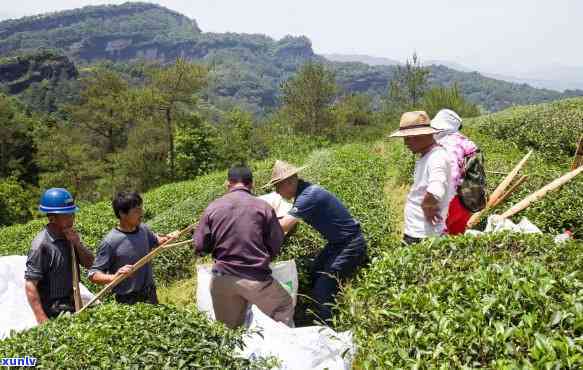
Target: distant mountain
360, 58
246, 69
448, 64
556, 77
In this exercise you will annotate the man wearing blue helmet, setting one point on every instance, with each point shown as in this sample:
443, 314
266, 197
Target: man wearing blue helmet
48, 275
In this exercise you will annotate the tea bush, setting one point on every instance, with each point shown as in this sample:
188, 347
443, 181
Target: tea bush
95, 220
553, 149
552, 129
351, 171
116, 336
502, 301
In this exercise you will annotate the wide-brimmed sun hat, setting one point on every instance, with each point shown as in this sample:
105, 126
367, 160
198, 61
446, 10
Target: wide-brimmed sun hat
281, 171
414, 124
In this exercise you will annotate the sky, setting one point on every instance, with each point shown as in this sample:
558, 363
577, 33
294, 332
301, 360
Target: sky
500, 36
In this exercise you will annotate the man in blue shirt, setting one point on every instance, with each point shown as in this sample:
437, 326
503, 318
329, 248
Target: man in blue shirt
345, 250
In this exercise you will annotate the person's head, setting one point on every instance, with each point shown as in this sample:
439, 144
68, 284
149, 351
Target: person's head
284, 177
447, 122
127, 206
61, 221
288, 188
416, 130
240, 176
419, 143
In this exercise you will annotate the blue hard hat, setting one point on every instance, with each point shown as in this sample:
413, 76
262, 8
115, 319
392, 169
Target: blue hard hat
57, 200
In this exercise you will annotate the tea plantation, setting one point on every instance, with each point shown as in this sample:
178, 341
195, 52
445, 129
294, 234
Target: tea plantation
499, 301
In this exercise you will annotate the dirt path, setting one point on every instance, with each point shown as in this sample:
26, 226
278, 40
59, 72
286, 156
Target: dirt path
395, 191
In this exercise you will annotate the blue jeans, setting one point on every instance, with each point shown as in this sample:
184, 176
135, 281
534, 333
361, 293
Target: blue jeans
334, 264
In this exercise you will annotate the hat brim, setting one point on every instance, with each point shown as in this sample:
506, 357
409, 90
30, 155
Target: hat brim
281, 178
414, 132
59, 210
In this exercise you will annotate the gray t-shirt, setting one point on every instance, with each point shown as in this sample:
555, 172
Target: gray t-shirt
49, 263
120, 248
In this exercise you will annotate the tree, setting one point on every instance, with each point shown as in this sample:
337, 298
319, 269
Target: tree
196, 150
308, 98
176, 85
16, 142
67, 160
408, 85
234, 142
354, 110
103, 115
448, 97
15, 201
143, 164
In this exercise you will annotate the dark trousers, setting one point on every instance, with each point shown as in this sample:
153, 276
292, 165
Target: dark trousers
147, 295
58, 306
409, 240
334, 264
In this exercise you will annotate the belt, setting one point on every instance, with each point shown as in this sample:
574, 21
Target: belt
218, 273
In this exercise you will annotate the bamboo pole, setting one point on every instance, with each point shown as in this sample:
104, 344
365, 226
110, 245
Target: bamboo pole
507, 193
76, 291
499, 191
147, 258
537, 195
578, 159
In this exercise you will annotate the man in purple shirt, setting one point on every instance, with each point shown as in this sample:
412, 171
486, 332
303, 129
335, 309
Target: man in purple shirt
243, 235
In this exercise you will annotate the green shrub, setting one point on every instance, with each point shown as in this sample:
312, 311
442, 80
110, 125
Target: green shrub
503, 301
560, 209
551, 129
114, 336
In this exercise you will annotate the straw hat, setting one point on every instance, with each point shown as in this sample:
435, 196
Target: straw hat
281, 171
413, 124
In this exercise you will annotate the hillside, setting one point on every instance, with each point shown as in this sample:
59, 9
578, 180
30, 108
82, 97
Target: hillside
19, 73
499, 301
248, 69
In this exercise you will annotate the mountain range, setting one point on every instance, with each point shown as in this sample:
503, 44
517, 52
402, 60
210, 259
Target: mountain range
247, 69
554, 77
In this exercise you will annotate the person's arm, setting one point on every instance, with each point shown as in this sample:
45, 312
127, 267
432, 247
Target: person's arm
102, 278
303, 208
288, 222
273, 234
85, 256
437, 185
36, 269
202, 240
33, 297
99, 272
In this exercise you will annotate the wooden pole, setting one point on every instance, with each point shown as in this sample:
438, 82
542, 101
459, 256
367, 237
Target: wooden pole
76, 291
499, 191
147, 258
510, 191
578, 160
537, 195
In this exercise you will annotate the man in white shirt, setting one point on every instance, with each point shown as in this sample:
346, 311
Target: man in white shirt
430, 194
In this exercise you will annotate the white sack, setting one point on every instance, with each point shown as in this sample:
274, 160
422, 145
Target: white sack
312, 347
280, 205
284, 272
497, 224
15, 312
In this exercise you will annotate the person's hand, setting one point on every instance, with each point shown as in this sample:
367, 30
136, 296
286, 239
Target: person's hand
162, 239
125, 270
41, 320
430, 206
72, 236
